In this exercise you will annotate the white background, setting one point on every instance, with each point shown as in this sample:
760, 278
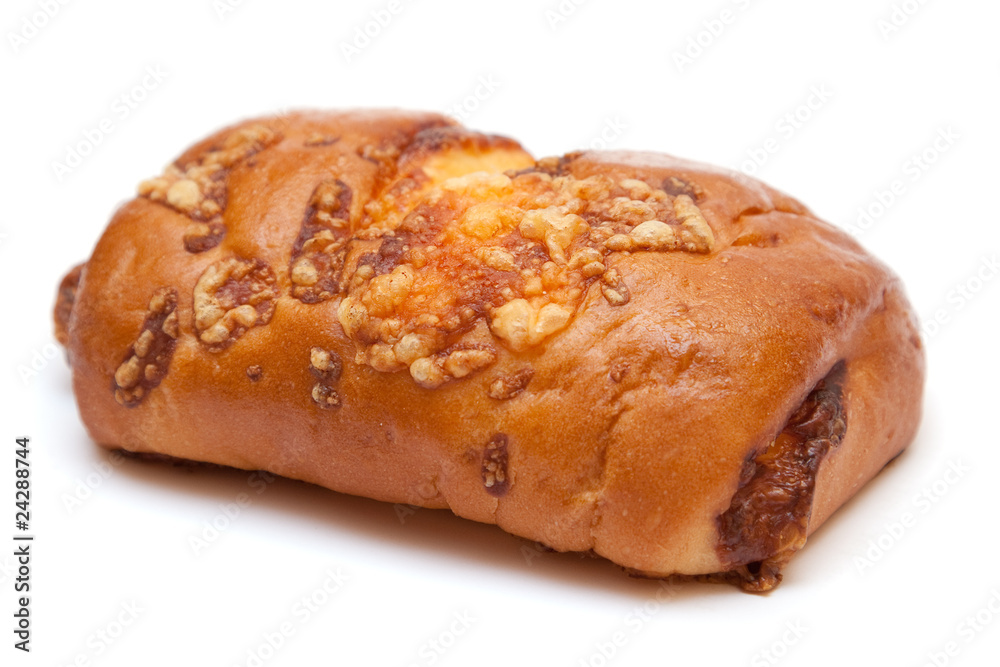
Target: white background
113, 537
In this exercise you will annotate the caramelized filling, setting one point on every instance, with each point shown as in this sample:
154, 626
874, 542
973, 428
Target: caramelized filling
768, 519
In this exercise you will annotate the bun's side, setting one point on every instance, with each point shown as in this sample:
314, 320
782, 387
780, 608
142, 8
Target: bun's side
674, 366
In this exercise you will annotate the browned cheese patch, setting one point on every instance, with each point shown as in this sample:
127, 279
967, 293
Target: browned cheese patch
326, 366
505, 387
515, 251
146, 362
318, 252
768, 518
496, 481
317, 139
232, 296
198, 188
676, 186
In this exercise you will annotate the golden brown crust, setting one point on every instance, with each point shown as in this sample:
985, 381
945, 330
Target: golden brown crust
584, 350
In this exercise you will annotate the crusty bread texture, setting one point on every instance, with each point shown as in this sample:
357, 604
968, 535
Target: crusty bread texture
671, 365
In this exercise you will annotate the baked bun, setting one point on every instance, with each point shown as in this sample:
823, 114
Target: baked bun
671, 365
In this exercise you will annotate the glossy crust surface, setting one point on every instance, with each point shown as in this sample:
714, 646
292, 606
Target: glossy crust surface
596, 352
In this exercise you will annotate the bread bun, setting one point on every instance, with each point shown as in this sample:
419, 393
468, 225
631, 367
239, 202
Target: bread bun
671, 365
